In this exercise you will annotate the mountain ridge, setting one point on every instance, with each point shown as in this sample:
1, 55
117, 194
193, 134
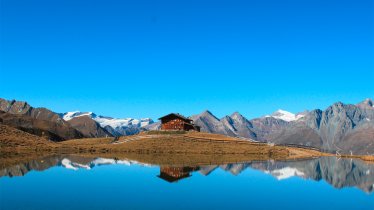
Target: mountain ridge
37, 121
345, 128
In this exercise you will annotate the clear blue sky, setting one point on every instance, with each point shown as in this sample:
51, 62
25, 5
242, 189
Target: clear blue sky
148, 58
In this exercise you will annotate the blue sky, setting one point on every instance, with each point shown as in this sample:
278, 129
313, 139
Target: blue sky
149, 58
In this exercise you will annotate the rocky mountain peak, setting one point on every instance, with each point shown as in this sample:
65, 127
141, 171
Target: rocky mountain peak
238, 118
205, 114
236, 115
338, 104
367, 103
14, 107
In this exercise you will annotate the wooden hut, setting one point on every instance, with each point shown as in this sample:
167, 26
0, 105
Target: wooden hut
175, 121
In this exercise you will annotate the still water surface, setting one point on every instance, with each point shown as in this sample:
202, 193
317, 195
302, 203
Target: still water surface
73, 182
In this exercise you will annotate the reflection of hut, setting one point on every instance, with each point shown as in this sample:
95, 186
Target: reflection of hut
173, 174
176, 121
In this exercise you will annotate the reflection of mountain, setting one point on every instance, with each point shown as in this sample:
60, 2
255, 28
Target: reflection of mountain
22, 169
206, 170
68, 162
339, 173
236, 168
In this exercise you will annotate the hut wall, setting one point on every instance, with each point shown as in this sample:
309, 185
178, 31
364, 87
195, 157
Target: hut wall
175, 124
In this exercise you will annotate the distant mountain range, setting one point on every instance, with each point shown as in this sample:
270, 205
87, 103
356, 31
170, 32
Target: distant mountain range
345, 128
237, 125
70, 125
114, 126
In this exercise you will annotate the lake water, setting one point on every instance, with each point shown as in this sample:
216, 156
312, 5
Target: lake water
73, 182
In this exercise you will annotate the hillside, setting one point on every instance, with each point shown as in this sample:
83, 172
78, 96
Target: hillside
12, 139
70, 125
37, 121
56, 131
170, 143
185, 144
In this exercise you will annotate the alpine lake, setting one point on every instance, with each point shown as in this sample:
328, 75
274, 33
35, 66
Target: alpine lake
77, 182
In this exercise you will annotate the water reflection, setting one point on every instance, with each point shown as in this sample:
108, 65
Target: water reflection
174, 174
339, 173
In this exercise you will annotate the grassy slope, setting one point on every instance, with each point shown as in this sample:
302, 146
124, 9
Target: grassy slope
166, 144
14, 139
153, 147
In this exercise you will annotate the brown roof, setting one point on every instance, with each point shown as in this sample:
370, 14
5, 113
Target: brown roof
176, 115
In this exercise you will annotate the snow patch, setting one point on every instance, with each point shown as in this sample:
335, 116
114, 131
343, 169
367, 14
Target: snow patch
124, 162
68, 164
70, 115
73, 166
125, 122
285, 115
104, 161
285, 173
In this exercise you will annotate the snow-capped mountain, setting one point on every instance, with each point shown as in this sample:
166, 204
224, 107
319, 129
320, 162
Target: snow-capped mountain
346, 128
285, 115
70, 115
125, 122
115, 126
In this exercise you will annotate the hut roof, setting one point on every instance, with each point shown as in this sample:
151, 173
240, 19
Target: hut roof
176, 115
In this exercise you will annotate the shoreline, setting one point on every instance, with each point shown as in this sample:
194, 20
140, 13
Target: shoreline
166, 147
